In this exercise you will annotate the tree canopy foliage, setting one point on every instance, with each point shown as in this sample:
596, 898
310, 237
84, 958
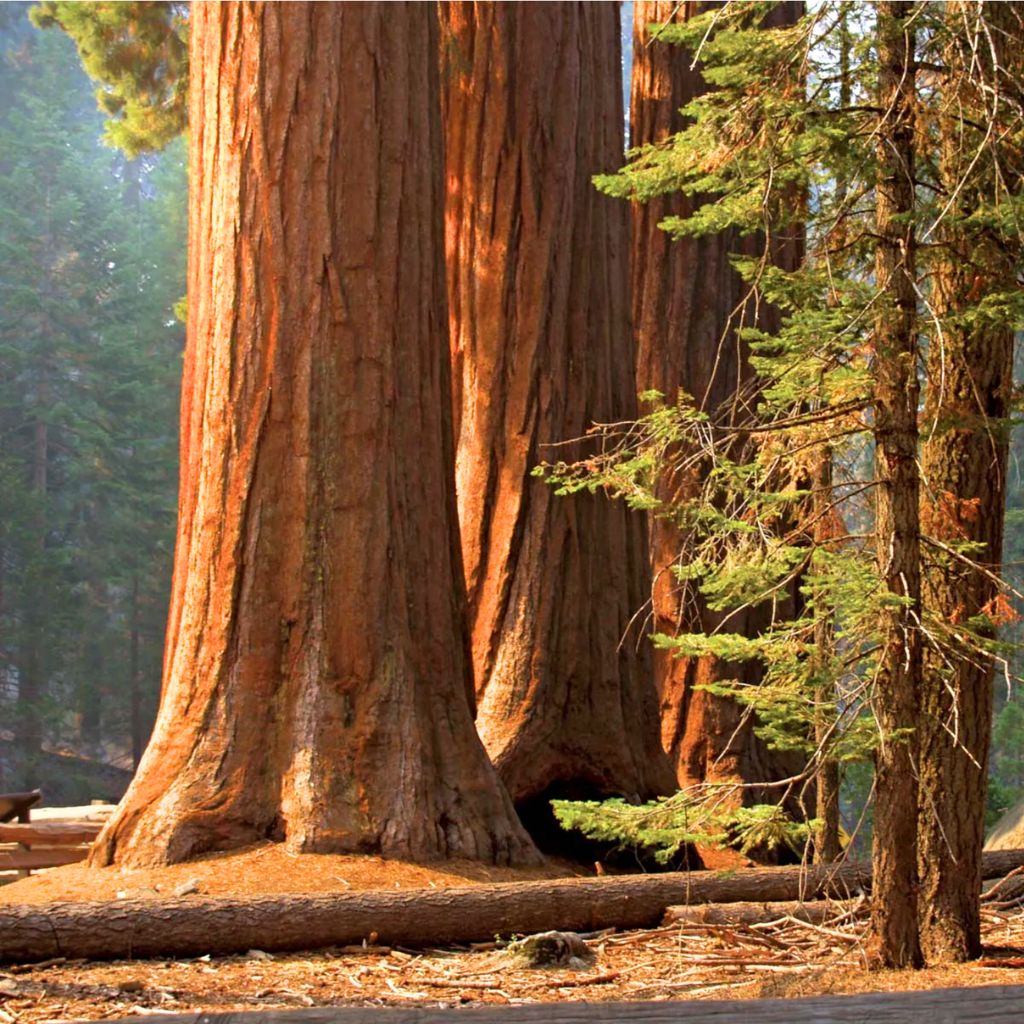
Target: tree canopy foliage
138, 52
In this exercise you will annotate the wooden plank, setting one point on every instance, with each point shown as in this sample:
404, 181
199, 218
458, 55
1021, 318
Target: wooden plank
50, 833
29, 860
83, 812
996, 1004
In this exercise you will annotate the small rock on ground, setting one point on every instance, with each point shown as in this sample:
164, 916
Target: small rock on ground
554, 949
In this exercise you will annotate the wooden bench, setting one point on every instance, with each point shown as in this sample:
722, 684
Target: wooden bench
19, 806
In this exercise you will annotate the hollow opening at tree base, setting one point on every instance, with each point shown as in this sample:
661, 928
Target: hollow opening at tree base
553, 840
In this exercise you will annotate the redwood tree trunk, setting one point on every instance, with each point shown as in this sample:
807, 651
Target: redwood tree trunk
964, 464
898, 676
315, 688
685, 298
537, 278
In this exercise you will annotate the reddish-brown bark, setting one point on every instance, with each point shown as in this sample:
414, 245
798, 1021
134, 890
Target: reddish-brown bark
686, 303
964, 466
315, 686
541, 349
897, 527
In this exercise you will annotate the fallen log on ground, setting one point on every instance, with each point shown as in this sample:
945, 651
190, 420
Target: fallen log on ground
46, 844
1009, 889
196, 925
814, 912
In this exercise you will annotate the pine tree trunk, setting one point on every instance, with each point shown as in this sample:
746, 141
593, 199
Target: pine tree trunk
896, 390
685, 296
827, 847
89, 688
31, 665
315, 687
966, 458
135, 680
964, 464
537, 280
826, 783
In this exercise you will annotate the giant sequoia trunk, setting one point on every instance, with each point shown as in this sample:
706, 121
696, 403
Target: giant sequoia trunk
315, 686
541, 347
896, 390
964, 463
687, 302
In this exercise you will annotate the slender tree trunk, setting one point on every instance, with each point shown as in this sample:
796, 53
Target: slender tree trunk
687, 302
89, 688
31, 670
537, 279
964, 464
896, 390
315, 686
826, 789
827, 847
135, 680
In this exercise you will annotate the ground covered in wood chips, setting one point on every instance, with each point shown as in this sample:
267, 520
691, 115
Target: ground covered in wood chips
688, 961
265, 869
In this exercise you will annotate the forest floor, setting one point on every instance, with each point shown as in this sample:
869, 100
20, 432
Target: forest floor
781, 959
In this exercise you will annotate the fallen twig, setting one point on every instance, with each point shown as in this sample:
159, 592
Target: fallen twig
594, 979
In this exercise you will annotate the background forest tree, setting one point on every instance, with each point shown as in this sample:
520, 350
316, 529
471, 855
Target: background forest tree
91, 266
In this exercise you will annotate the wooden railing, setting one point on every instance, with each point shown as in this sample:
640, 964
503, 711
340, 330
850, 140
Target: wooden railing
33, 837
45, 844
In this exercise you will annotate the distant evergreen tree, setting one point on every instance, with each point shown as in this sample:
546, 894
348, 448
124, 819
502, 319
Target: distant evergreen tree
138, 51
91, 264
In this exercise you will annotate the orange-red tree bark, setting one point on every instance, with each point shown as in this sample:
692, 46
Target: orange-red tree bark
315, 686
537, 277
896, 937
687, 301
964, 467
